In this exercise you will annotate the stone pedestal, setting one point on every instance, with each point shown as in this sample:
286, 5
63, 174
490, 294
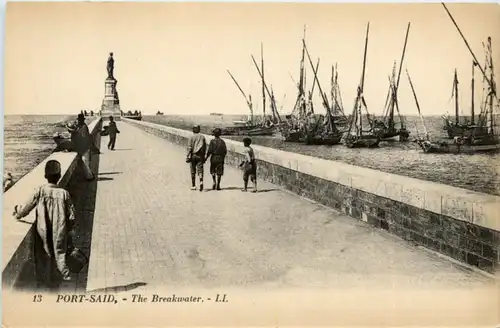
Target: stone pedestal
111, 103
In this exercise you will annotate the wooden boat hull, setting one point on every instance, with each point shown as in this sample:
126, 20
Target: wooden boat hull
369, 141
259, 132
293, 136
453, 130
133, 117
386, 133
340, 120
401, 135
249, 131
453, 148
323, 140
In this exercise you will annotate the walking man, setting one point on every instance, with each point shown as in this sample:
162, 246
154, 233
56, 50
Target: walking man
217, 151
112, 130
197, 146
82, 142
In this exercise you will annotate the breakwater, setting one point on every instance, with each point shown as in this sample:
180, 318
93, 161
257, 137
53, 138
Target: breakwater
458, 223
477, 172
18, 236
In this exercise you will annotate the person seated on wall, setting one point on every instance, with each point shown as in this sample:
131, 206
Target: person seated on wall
62, 144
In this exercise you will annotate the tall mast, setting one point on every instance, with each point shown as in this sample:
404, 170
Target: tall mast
263, 83
472, 91
338, 94
493, 87
248, 100
332, 91
392, 101
395, 102
361, 91
302, 90
364, 58
416, 102
323, 95
403, 55
490, 82
267, 89
455, 84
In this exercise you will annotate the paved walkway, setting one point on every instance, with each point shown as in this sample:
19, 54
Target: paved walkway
150, 230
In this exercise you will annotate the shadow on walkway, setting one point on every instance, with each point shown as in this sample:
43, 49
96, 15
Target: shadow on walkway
249, 189
116, 289
84, 197
110, 173
104, 179
231, 188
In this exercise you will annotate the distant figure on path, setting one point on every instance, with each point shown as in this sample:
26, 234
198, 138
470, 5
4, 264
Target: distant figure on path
197, 146
217, 151
112, 131
55, 217
110, 66
249, 165
82, 142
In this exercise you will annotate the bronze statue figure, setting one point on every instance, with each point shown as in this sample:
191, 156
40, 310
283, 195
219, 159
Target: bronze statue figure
110, 66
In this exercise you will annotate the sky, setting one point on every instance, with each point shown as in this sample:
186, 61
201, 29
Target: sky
173, 57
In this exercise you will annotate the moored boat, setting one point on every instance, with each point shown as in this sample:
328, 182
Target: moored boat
136, 115
361, 141
461, 145
250, 126
386, 128
355, 136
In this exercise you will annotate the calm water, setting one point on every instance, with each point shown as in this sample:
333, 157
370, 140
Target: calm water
477, 172
28, 140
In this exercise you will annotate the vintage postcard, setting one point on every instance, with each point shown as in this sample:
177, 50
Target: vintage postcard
251, 164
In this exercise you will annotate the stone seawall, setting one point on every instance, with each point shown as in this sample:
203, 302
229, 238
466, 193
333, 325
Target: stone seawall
18, 236
458, 223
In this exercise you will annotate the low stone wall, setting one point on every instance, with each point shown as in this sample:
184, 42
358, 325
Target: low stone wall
458, 223
17, 252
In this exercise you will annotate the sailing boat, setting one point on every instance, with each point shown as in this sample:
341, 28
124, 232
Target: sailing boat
386, 129
276, 122
336, 100
470, 143
324, 131
355, 137
485, 129
455, 129
293, 130
249, 127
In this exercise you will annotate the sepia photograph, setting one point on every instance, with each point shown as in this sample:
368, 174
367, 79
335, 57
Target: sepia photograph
251, 164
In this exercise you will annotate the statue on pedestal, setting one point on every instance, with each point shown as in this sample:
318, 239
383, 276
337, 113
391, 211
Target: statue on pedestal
110, 66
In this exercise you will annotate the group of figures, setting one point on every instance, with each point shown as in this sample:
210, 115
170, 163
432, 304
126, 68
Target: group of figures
198, 153
56, 258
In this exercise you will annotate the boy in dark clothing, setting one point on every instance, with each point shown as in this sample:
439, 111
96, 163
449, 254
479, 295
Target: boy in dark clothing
196, 149
217, 151
112, 131
249, 165
55, 217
